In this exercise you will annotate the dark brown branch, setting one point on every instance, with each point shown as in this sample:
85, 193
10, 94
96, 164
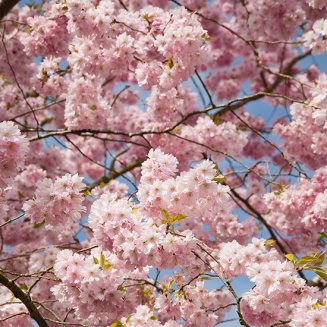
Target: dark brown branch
6, 6
123, 5
25, 299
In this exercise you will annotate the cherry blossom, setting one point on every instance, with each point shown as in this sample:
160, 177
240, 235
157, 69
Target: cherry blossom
163, 163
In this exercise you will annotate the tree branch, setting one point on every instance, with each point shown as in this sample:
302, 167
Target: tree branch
115, 174
25, 299
6, 6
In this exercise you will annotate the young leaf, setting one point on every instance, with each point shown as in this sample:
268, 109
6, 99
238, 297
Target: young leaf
169, 63
171, 219
116, 323
93, 107
104, 264
219, 179
205, 278
86, 192
23, 287
319, 258
165, 213
39, 225
322, 235
269, 242
289, 256
171, 283
321, 272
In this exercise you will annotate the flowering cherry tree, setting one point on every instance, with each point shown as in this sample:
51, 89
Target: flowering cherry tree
137, 182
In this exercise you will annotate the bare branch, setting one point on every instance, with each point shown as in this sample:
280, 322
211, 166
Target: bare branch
6, 6
25, 299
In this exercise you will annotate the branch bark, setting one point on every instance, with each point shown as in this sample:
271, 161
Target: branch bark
6, 6
25, 299
115, 174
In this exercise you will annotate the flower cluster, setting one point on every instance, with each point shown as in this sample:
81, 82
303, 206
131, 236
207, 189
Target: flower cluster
180, 40
93, 286
140, 176
194, 304
13, 150
300, 210
316, 38
56, 202
304, 140
144, 316
277, 288
116, 228
46, 36
193, 193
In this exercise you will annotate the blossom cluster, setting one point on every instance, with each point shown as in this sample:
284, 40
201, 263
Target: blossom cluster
56, 202
137, 181
194, 194
300, 211
316, 38
277, 288
93, 286
13, 151
305, 136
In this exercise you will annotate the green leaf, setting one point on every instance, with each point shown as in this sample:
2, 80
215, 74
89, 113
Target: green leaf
116, 323
171, 219
38, 225
121, 288
46, 120
205, 36
165, 213
320, 258
171, 283
321, 272
23, 287
86, 192
104, 264
128, 319
177, 218
93, 107
219, 179
147, 292
315, 259
169, 63
205, 278
304, 260
146, 16
322, 235
289, 256
95, 260
269, 242
281, 189
317, 305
